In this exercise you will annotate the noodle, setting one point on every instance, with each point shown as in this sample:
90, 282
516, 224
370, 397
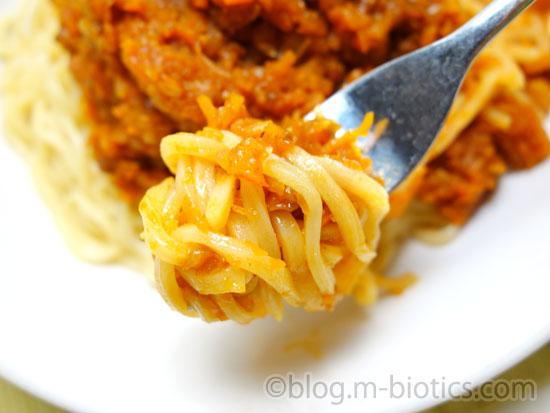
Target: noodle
44, 123
257, 256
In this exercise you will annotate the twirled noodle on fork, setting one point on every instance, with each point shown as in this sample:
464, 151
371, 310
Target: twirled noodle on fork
224, 250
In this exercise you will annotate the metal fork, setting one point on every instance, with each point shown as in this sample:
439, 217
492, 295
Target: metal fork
415, 92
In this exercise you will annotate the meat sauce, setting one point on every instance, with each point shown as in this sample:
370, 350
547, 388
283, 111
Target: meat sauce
142, 65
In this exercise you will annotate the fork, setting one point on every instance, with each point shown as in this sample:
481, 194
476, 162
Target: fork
415, 92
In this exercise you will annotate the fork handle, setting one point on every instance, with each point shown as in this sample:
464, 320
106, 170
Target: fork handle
479, 30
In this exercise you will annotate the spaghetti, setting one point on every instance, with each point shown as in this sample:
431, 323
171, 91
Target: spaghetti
302, 228
44, 122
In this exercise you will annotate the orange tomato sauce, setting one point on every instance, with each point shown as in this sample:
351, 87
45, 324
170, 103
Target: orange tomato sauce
142, 65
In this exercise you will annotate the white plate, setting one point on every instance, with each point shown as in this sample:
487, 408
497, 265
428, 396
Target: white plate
93, 338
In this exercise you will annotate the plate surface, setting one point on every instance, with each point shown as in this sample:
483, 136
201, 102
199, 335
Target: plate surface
99, 338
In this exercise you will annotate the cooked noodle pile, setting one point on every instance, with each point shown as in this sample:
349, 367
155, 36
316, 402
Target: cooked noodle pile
233, 243
43, 120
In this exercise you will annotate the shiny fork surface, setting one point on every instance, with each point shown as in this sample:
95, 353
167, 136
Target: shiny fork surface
415, 92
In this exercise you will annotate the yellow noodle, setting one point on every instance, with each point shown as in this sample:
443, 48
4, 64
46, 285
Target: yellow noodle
291, 240
256, 211
220, 201
44, 122
311, 204
339, 204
